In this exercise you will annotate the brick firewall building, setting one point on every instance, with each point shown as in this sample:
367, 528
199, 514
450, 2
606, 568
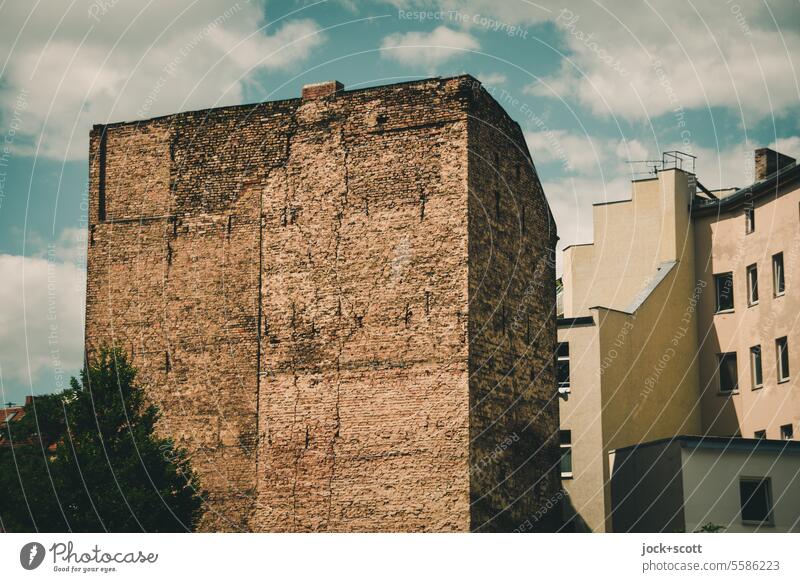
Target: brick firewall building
342, 304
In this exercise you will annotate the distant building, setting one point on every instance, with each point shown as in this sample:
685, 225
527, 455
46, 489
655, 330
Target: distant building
11, 414
678, 319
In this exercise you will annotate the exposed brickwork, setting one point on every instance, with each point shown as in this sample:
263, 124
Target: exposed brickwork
768, 161
310, 296
324, 89
512, 329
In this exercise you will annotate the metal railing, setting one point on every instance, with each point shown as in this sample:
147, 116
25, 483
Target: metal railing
670, 160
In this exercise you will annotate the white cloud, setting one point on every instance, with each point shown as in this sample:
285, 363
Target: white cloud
42, 313
132, 60
427, 49
584, 154
41, 319
576, 153
492, 79
637, 60
631, 150
787, 145
292, 43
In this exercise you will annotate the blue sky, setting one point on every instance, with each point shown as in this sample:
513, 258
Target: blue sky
593, 84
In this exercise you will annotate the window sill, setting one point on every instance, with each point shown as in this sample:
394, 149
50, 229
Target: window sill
753, 304
724, 311
781, 294
759, 387
566, 475
733, 393
783, 381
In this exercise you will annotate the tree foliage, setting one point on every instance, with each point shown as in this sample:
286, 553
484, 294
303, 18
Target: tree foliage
88, 460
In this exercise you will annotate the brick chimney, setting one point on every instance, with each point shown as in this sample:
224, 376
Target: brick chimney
28, 400
769, 161
317, 90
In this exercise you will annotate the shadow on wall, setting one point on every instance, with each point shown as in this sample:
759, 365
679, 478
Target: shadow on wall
573, 522
718, 412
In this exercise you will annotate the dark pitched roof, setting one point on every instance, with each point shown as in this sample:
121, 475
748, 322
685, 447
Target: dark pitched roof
772, 184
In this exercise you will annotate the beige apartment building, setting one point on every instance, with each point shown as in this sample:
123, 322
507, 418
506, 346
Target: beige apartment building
678, 320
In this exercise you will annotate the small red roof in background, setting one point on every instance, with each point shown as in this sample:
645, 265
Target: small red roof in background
11, 413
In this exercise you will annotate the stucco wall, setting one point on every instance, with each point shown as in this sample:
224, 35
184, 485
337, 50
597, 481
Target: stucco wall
581, 413
647, 489
631, 238
711, 487
723, 246
645, 374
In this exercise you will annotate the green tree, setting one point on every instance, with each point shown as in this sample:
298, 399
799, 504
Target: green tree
88, 460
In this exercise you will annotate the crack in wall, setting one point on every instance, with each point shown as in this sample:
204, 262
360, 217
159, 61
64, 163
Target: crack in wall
337, 415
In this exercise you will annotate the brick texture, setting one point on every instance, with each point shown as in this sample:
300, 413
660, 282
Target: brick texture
335, 322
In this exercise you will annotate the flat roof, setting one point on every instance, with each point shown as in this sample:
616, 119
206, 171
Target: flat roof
574, 321
298, 99
721, 443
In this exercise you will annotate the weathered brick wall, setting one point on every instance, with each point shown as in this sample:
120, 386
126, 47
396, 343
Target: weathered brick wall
177, 285
364, 396
513, 401
293, 280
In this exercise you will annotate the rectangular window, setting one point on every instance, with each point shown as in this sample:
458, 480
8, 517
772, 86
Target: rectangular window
749, 219
778, 276
782, 353
752, 285
562, 366
565, 442
787, 432
728, 375
756, 500
724, 286
760, 434
756, 374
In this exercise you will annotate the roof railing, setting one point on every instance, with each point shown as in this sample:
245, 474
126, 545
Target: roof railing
670, 160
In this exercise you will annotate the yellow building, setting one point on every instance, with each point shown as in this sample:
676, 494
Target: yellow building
656, 327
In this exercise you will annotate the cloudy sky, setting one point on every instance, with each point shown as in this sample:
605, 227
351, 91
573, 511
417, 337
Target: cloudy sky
593, 84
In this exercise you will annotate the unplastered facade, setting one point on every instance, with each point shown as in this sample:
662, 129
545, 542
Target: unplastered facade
342, 305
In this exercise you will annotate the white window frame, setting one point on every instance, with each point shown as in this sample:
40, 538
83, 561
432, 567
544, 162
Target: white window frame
564, 387
778, 275
749, 219
760, 367
720, 358
717, 278
562, 447
752, 285
779, 357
